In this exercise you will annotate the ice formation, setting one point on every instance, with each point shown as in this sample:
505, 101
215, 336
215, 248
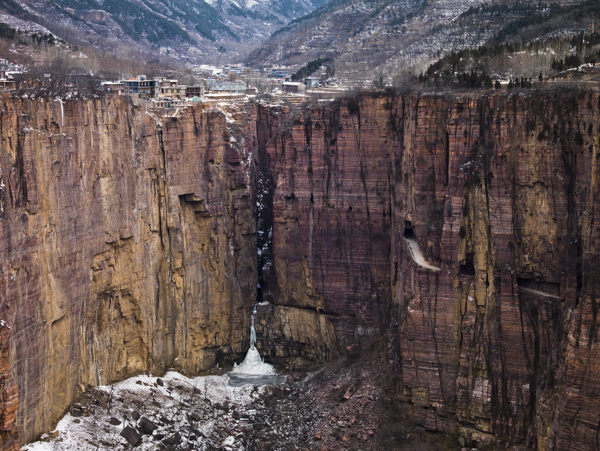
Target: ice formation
253, 364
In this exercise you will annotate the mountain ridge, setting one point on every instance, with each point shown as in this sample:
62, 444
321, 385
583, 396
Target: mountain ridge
186, 29
392, 35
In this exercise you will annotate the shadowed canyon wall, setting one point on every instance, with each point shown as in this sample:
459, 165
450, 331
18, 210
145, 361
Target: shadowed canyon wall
129, 245
494, 332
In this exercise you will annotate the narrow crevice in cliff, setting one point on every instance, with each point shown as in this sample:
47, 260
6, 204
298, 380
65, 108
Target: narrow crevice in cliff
22, 179
264, 227
162, 207
569, 159
165, 272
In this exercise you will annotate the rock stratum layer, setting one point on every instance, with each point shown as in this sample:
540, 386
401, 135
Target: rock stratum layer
129, 246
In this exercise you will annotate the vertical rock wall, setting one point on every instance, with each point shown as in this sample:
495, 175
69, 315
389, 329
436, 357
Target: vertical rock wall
125, 247
130, 245
9, 399
500, 193
329, 173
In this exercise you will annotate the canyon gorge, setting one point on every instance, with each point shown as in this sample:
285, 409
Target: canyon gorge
459, 228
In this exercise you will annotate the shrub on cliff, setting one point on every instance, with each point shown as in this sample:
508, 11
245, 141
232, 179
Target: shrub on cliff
353, 106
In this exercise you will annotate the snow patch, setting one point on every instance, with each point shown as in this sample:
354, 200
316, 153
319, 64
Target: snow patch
169, 402
253, 364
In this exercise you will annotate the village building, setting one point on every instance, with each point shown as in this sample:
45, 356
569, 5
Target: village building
116, 87
312, 82
163, 103
174, 92
194, 91
169, 89
293, 87
10, 67
141, 87
7, 84
222, 86
166, 82
280, 72
235, 69
7, 72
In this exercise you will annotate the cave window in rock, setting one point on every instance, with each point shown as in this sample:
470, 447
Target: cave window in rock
408, 231
467, 267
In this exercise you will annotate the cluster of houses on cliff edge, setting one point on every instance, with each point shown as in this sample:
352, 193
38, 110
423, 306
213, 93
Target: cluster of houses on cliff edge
230, 82
164, 92
230, 79
7, 72
167, 93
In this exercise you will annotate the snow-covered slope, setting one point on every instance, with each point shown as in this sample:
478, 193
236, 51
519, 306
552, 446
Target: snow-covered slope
385, 35
192, 29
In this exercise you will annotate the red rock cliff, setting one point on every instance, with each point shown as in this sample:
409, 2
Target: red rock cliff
465, 229
9, 400
500, 192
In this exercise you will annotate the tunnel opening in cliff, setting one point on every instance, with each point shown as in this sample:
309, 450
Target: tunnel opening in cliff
415, 248
409, 232
467, 266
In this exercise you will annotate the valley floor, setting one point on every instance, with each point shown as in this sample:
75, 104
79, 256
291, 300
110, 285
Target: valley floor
347, 404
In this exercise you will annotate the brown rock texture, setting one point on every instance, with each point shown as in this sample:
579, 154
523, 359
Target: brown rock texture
127, 245
501, 193
330, 217
9, 399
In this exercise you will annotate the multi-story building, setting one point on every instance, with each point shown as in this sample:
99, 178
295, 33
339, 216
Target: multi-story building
279, 72
193, 91
117, 87
140, 86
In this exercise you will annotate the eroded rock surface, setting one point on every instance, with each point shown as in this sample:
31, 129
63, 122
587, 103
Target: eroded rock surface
128, 247
9, 399
125, 246
501, 193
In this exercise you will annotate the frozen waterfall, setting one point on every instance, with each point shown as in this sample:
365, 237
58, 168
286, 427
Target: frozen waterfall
253, 364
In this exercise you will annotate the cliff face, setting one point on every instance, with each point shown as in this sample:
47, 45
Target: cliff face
514, 183
499, 193
124, 247
328, 176
463, 229
9, 399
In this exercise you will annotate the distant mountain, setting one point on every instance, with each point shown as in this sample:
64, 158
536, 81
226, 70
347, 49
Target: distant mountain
287, 9
188, 29
389, 35
545, 43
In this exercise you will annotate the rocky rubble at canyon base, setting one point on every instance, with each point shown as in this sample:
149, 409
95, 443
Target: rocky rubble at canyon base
347, 404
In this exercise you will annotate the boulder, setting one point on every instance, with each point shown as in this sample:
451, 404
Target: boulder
147, 426
131, 435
